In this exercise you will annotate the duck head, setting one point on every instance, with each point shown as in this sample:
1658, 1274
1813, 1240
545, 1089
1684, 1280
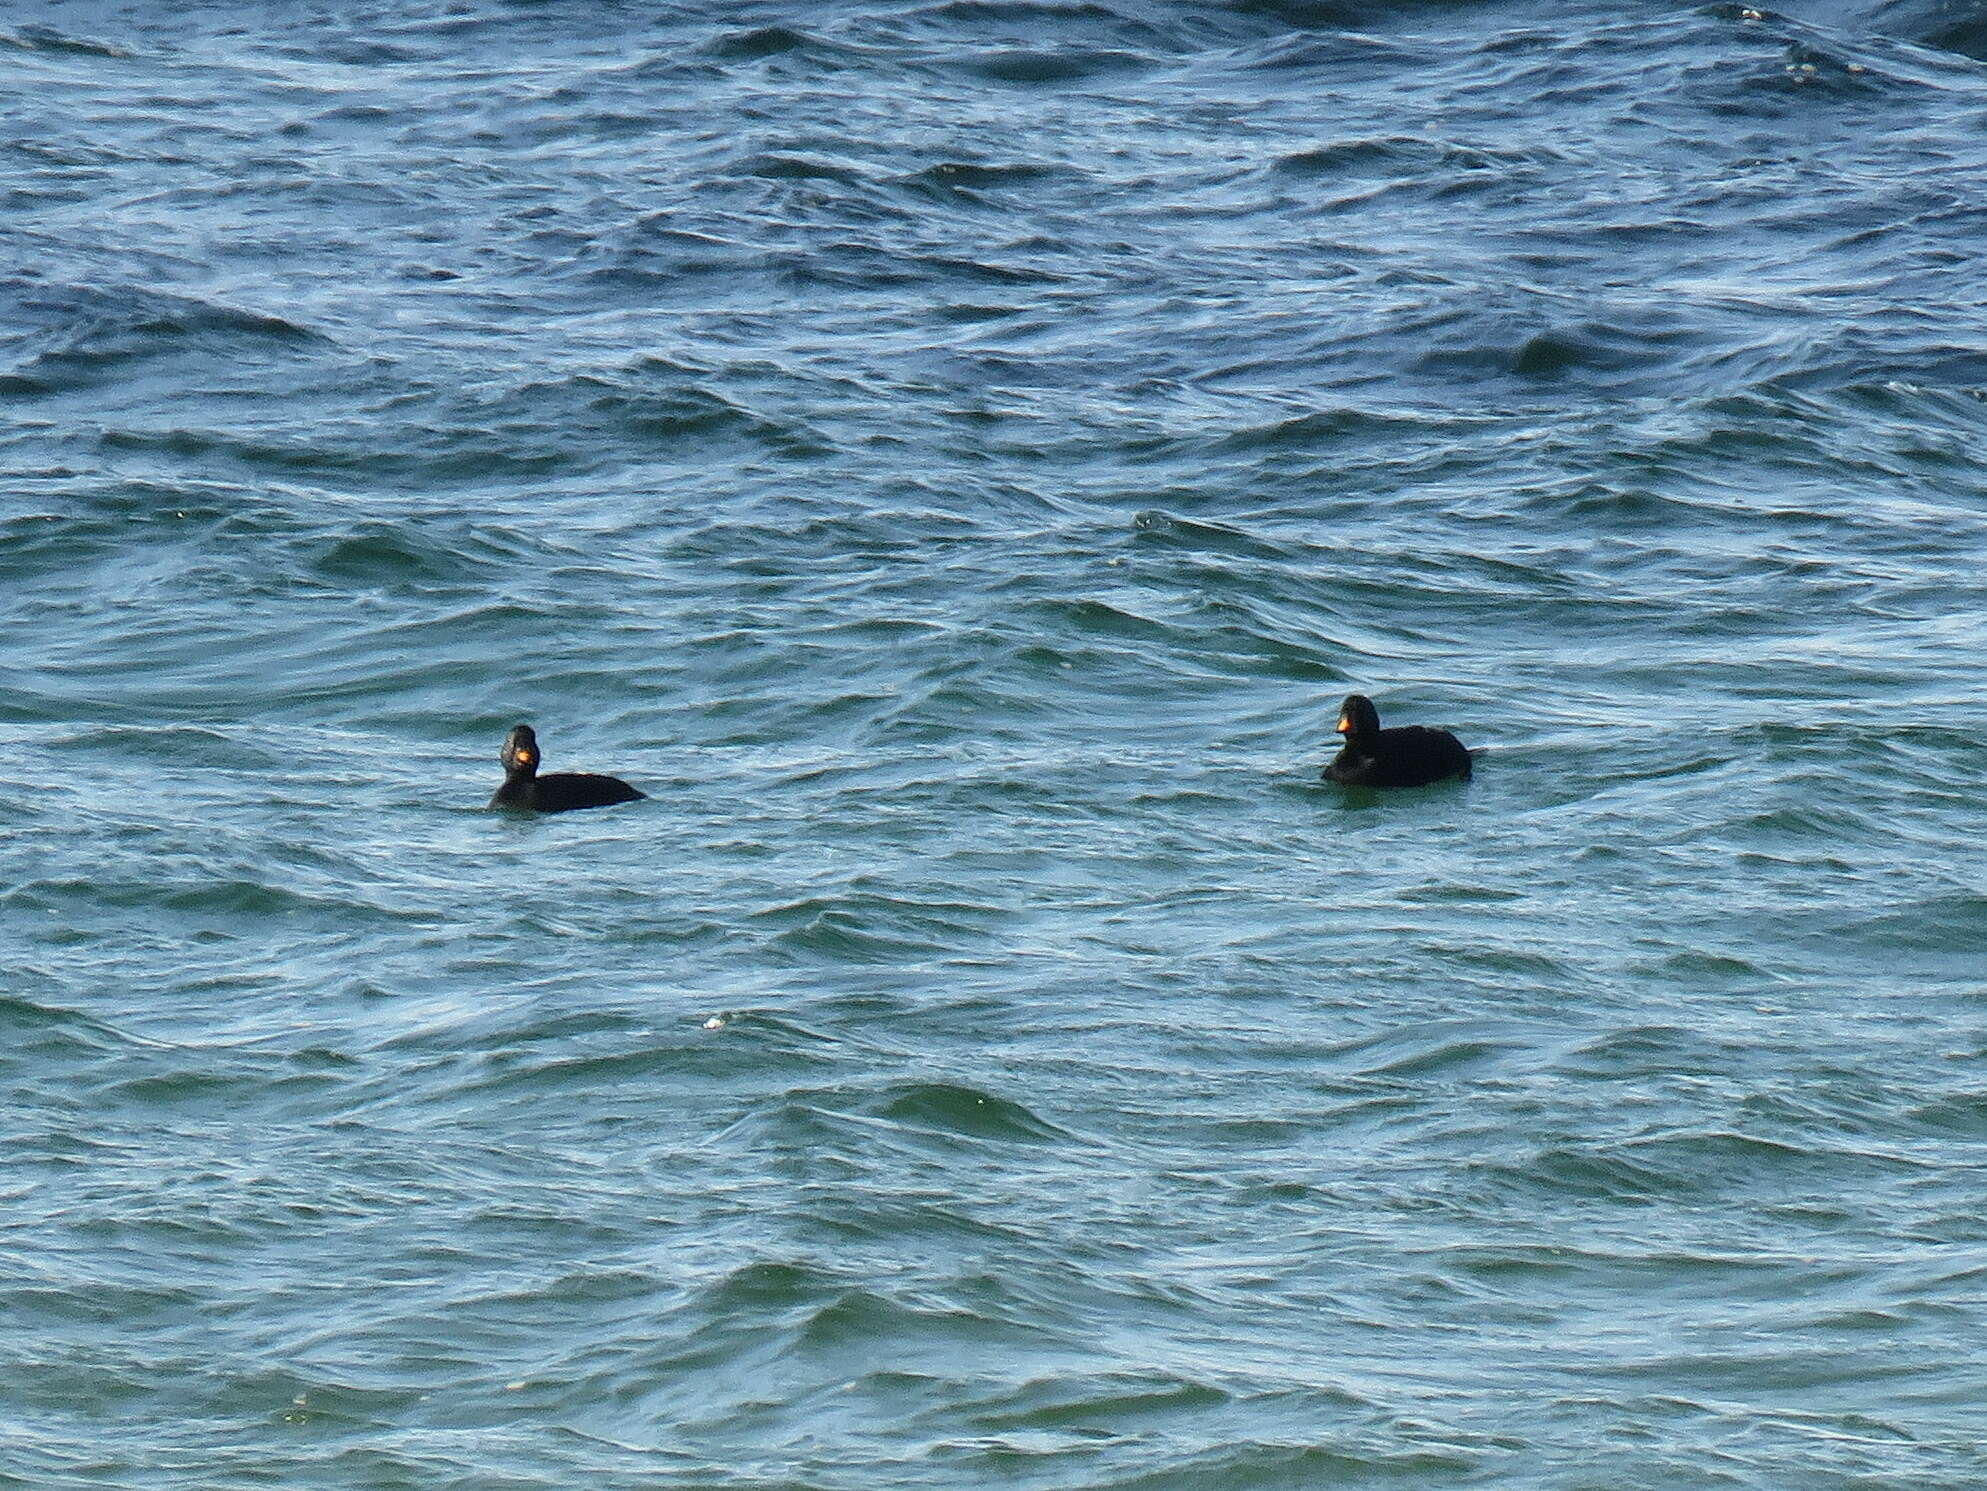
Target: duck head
1357, 718
520, 753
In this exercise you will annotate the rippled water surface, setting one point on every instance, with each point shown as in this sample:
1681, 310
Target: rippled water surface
954, 457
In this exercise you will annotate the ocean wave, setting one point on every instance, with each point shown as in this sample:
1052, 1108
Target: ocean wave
954, 457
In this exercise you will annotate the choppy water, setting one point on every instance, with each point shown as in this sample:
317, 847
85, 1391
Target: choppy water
954, 456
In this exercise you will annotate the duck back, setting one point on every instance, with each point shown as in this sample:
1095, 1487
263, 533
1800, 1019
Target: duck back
1406, 756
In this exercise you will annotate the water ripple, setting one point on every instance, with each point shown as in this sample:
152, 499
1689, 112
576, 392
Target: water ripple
955, 457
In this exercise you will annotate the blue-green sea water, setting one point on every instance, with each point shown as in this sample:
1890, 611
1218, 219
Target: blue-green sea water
954, 455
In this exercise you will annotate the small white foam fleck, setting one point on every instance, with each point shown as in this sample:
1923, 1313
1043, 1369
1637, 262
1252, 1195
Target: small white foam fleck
716, 1022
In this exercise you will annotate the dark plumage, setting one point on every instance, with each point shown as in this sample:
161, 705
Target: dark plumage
562, 791
1409, 756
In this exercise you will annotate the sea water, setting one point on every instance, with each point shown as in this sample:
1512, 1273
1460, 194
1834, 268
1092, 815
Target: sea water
954, 456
